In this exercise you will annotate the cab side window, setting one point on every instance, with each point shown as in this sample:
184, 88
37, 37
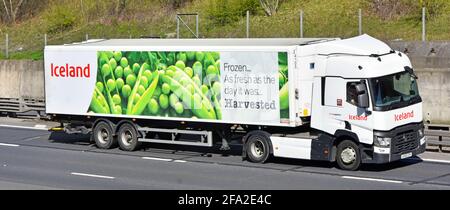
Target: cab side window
352, 95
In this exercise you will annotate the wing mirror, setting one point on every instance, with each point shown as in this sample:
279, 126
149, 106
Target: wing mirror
363, 96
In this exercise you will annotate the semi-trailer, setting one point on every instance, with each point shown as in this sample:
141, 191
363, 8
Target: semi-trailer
349, 100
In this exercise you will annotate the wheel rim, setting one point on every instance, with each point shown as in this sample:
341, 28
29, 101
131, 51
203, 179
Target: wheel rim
257, 149
348, 155
103, 136
127, 137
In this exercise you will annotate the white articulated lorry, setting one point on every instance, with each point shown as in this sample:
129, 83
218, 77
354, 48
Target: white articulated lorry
351, 101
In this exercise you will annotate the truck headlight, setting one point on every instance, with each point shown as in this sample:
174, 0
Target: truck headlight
382, 141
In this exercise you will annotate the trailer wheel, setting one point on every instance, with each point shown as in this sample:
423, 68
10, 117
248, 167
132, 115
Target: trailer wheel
258, 148
128, 137
348, 155
103, 136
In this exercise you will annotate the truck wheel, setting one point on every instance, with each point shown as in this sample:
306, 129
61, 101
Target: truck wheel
128, 138
348, 156
103, 136
258, 148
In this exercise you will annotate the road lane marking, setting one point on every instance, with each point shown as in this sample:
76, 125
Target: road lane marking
371, 179
436, 160
23, 127
92, 175
180, 161
40, 126
154, 158
32, 138
9, 145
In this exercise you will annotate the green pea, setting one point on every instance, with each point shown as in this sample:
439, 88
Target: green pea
148, 74
126, 91
164, 101
118, 109
141, 90
180, 64
110, 54
169, 73
189, 71
199, 56
113, 63
124, 62
172, 67
136, 98
166, 88
100, 87
131, 80
106, 70
116, 99
153, 106
119, 83
144, 82
111, 84
117, 55
118, 72
103, 59
205, 89
127, 71
217, 65
216, 88
211, 70
179, 108
198, 68
136, 68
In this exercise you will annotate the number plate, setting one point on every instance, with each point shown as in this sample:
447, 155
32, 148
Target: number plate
406, 155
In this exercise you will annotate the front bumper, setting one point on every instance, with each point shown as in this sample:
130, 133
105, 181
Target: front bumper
405, 143
386, 158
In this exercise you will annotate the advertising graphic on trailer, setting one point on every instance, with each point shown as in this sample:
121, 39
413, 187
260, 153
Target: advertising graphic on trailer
242, 86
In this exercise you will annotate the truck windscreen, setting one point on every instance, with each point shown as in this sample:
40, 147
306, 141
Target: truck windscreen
394, 91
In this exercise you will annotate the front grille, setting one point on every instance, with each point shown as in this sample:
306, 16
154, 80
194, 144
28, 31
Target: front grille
404, 142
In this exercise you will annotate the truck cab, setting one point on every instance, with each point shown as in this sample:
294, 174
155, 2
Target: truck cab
365, 96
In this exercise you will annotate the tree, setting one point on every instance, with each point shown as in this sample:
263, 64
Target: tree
120, 7
269, 6
11, 12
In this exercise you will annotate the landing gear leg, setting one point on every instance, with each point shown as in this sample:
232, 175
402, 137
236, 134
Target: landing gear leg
225, 135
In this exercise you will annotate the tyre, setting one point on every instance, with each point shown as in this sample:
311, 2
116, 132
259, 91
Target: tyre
257, 148
127, 137
104, 136
348, 156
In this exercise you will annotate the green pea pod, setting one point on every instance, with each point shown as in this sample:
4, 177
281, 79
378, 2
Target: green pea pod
282, 58
146, 97
134, 91
217, 107
186, 97
99, 106
181, 75
284, 96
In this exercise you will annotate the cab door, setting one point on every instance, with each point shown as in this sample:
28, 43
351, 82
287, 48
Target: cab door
357, 110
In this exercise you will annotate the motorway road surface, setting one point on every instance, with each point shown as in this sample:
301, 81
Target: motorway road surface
37, 159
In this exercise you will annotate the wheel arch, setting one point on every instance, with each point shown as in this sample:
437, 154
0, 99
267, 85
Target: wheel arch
247, 136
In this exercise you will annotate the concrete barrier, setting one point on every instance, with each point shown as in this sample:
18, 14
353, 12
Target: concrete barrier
21, 86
